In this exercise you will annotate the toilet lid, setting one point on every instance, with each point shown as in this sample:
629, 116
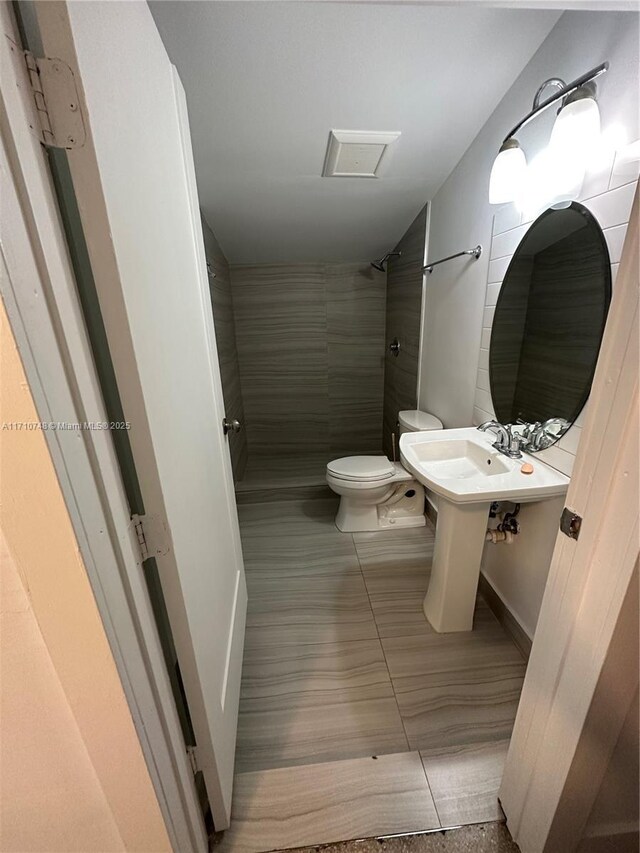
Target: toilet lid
363, 468
418, 421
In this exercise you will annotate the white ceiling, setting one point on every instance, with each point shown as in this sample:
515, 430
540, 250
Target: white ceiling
266, 81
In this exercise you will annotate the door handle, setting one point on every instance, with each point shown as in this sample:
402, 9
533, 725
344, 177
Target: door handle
231, 425
394, 346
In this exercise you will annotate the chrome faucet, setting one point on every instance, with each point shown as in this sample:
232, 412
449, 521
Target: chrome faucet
507, 441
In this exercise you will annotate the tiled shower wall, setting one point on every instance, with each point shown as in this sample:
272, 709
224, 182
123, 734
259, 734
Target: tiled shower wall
310, 340
220, 290
403, 319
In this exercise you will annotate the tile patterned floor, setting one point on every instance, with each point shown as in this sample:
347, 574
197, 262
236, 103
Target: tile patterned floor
480, 838
341, 665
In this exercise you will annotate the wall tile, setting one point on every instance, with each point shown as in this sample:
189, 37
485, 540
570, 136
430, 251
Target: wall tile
223, 319
493, 291
614, 273
558, 458
281, 331
506, 218
403, 310
571, 439
356, 301
596, 180
480, 416
483, 401
487, 319
310, 343
615, 240
483, 380
624, 171
613, 207
506, 244
497, 269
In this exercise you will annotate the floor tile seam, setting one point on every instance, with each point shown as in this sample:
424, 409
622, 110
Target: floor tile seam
318, 643
352, 642
395, 696
381, 679
480, 669
373, 615
322, 587
382, 649
332, 701
404, 696
426, 776
259, 574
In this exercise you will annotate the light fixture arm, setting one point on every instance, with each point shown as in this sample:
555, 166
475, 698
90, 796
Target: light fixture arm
558, 82
539, 106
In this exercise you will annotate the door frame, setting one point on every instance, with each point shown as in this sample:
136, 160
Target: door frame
576, 694
46, 319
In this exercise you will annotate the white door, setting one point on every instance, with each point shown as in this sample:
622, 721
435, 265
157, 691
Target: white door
134, 182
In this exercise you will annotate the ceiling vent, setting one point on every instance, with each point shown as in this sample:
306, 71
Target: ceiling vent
357, 153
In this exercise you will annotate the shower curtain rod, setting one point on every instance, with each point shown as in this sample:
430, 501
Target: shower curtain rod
476, 252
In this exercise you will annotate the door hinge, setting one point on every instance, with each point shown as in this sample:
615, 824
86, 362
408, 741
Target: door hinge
192, 755
570, 523
138, 527
152, 536
59, 122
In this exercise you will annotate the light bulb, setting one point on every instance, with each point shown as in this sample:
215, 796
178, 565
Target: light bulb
548, 182
507, 173
576, 131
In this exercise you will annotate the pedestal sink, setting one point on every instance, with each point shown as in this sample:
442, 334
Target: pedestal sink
467, 473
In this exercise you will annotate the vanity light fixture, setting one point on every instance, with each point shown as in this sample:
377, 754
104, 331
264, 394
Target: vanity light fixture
575, 131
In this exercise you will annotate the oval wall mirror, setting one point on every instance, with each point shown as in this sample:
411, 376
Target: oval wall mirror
548, 324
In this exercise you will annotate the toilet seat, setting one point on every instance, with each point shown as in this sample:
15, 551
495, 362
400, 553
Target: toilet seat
362, 469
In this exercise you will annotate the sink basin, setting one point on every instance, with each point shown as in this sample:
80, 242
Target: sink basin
467, 473
462, 466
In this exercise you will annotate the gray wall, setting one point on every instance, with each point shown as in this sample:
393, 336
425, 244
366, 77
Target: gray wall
310, 344
404, 304
222, 304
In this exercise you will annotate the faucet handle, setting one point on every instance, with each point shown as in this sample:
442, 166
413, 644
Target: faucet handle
514, 442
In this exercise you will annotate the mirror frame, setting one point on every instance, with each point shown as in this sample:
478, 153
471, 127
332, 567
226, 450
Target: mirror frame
606, 284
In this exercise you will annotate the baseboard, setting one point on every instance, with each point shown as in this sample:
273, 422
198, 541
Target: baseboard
505, 617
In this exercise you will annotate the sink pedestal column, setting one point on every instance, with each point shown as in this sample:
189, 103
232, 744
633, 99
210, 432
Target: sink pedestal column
460, 536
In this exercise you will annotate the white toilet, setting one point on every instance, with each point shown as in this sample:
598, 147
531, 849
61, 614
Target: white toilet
376, 493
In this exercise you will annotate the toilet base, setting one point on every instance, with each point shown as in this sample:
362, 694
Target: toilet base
354, 516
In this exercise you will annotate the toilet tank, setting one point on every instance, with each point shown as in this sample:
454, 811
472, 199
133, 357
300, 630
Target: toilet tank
413, 420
